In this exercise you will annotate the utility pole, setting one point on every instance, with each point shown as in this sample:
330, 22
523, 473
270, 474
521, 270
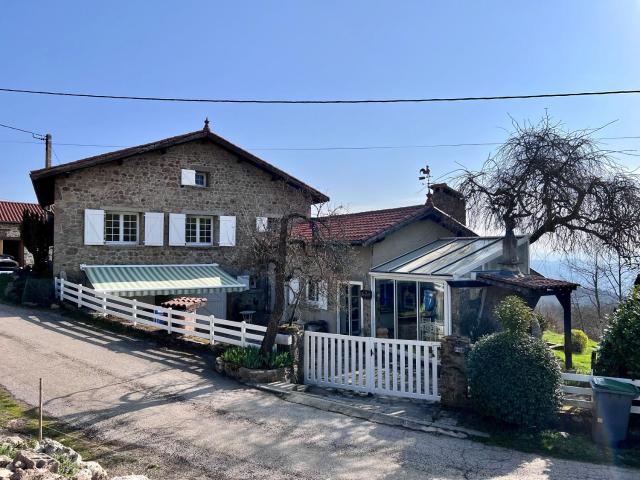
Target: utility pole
47, 148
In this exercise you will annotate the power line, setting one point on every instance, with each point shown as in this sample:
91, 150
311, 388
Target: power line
322, 102
356, 147
39, 136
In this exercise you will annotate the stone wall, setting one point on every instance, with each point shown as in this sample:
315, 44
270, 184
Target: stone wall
151, 182
11, 231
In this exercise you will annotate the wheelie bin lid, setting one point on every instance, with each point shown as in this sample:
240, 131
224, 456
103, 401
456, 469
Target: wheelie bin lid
610, 385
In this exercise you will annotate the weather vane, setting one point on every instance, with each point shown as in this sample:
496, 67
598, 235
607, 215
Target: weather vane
425, 177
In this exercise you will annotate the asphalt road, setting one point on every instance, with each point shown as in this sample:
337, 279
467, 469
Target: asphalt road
194, 424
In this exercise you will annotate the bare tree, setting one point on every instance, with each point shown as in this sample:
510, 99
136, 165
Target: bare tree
547, 181
305, 255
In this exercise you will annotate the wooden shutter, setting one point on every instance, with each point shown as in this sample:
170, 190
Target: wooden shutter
262, 224
93, 227
227, 231
322, 295
154, 229
177, 229
188, 177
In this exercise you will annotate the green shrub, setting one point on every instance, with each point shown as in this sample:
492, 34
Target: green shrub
619, 351
515, 378
250, 357
66, 466
515, 315
579, 341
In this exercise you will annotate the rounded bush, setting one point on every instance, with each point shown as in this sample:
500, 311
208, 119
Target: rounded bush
579, 341
514, 315
619, 351
515, 378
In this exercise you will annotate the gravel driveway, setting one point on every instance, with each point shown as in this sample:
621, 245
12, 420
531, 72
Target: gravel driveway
198, 425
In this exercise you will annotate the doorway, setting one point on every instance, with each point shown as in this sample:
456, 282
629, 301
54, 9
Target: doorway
350, 309
13, 248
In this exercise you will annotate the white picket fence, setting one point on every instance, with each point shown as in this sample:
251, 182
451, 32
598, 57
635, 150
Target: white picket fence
207, 327
402, 368
585, 391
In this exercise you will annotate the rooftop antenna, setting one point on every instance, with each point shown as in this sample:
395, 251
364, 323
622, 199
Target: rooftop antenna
425, 178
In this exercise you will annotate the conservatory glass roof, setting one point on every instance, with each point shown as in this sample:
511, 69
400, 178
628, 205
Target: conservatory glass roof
446, 256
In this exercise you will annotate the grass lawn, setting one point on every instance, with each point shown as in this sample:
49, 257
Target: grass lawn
581, 361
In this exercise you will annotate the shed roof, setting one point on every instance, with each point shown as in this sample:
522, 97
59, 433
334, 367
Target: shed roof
43, 179
11, 212
534, 282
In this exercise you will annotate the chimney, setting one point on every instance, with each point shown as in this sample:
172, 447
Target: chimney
449, 201
510, 260
47, 150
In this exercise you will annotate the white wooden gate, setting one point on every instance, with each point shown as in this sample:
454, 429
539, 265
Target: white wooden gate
403, 368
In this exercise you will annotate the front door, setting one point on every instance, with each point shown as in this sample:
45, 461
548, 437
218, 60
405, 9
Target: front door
350, 309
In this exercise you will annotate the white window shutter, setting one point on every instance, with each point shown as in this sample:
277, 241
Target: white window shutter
227, 231
188, 177
93, 227
154, 229
262, 224
322, 295
177, 229
244, 279
293, 290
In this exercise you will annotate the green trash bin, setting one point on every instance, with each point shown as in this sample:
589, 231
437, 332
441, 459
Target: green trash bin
611, 409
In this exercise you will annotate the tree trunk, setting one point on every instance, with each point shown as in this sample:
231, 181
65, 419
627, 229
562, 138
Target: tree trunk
269, 339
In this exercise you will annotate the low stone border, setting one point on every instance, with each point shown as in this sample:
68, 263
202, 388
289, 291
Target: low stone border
27, 459
327, 405
252, 376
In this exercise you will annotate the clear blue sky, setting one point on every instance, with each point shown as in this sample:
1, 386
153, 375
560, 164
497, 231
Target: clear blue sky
311, 49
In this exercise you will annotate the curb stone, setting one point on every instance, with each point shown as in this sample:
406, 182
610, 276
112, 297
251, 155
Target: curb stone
335, 406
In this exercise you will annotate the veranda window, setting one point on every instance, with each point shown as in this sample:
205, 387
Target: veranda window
198, 230
409, 309
121, 228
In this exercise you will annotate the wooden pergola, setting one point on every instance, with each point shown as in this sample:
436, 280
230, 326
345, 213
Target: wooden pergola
532, 287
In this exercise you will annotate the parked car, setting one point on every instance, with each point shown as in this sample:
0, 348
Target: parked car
7, 264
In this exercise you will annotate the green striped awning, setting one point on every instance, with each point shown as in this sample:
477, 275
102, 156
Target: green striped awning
140, 280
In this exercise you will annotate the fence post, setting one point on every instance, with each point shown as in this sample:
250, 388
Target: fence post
135, 312
370, 370
61, 289
104, 304
212, 326
305, 351
169, 319
243, 332
79, 296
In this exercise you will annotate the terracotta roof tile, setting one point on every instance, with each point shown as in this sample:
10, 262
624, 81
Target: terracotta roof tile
363, 226
11, 212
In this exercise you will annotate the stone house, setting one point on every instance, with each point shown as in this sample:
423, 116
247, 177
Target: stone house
422, 274
172, 217
179, 207
10, 219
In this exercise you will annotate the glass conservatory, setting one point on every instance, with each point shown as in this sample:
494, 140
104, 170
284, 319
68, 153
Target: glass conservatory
412, 294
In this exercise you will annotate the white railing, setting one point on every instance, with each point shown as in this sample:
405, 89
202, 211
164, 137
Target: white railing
208, 327
586, 391
403, 368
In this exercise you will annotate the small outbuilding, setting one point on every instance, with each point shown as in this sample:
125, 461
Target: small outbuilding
11, 242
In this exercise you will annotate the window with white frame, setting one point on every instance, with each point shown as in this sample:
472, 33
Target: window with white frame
121, 227
201, 179
198, 230
313, 291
